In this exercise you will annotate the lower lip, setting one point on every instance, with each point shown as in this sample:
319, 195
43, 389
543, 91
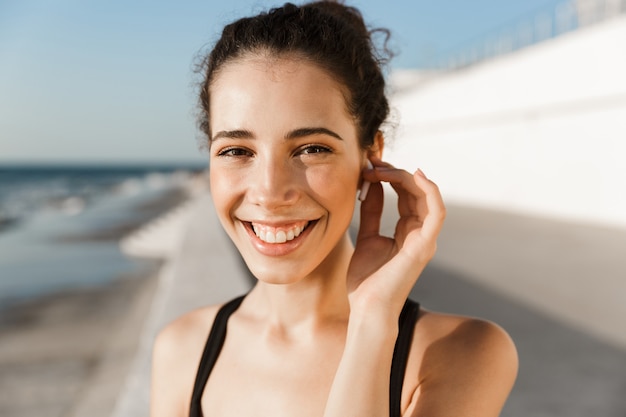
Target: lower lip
278, 249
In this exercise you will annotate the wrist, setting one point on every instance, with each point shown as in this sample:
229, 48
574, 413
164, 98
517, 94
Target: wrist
373, 325
376, 307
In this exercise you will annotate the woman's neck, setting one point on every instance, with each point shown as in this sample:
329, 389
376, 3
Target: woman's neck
315, 300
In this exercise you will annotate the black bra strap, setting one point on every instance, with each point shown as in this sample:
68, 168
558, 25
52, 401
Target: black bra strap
211, 352
406, 323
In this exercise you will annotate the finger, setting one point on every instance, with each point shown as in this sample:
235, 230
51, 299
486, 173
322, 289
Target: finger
436, 210
394, 176
377, 162
371, 212
417, 196
403, 184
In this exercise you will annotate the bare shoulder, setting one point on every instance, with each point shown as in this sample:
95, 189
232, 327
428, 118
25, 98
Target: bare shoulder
175, 358
184, 332
468, 366
453, 334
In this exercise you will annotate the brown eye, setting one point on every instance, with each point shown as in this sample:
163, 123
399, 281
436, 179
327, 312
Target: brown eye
235, 152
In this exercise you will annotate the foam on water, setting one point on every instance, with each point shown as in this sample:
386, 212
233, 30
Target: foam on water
41, 206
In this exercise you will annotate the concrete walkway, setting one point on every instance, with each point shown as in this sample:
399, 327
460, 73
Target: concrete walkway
557, 288
204, 269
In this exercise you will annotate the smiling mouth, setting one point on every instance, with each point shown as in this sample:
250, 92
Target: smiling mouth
278, 234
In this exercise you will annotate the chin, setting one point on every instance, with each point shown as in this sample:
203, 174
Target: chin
273, 276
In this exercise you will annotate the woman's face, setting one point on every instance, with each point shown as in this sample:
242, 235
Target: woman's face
285, 165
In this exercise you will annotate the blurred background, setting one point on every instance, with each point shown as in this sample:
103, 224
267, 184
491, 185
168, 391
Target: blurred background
517, 109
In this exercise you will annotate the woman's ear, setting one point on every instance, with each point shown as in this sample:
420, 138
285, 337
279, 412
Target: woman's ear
378, 146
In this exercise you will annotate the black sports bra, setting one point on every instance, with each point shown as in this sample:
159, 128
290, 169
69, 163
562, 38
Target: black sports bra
216, 338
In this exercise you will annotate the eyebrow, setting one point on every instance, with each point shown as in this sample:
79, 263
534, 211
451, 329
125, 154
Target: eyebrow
233, 134
310, 131
294, 134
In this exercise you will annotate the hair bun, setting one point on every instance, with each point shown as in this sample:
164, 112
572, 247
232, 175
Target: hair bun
347, 14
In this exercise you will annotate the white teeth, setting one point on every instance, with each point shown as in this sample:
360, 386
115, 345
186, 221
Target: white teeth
280, 236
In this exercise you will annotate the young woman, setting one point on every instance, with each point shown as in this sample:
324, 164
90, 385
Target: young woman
293, 101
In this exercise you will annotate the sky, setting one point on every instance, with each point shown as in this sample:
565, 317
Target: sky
112, 82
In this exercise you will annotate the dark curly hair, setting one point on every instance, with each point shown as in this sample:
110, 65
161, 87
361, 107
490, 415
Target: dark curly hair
327, 33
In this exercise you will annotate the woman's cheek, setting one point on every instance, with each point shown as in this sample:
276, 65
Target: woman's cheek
224, 190
333, 184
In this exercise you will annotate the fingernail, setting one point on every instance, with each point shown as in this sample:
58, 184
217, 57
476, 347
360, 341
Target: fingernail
421, 173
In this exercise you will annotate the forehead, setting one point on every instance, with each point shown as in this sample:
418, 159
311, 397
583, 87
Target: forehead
279, 67
283, 84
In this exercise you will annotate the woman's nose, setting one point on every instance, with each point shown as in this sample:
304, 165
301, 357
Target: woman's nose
273, 184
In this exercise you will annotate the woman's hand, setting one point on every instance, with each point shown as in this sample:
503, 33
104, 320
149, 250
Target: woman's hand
383, 270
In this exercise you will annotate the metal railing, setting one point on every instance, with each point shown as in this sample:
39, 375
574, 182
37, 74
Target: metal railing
565, 17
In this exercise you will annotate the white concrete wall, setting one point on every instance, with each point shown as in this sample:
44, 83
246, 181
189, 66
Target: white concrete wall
542, 130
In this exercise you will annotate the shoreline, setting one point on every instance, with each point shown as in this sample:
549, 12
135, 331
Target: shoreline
68, 353
145, 211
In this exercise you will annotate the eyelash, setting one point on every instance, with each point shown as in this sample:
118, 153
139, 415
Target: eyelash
234, 152
306, 150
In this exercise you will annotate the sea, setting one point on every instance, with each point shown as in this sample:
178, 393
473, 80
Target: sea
60, 226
